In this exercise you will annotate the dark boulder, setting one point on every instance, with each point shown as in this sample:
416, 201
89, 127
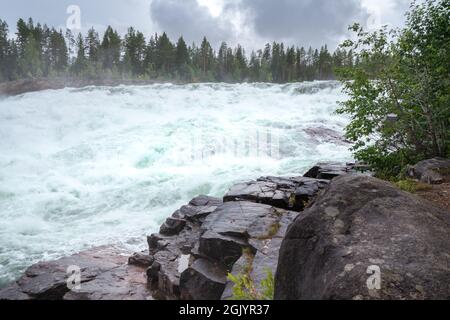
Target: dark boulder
431, 171
234, 230
140, 260
172, 226
359, 225
328, 170
228, 230
204, 280
171, 249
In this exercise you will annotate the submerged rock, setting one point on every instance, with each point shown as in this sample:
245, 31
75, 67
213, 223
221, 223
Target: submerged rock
320, 134
360, 233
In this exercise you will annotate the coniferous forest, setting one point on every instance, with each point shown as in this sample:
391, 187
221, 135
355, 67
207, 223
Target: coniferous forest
38, 51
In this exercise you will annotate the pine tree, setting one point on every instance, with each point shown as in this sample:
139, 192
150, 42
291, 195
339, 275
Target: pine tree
93, 46
290, 64
23, 32
222, 63
182, 60
111, 50
135, 47
165, 55
150, 57
4, 47
206, 56
58, 52
255, 66
40, 51
80, 63
240, 69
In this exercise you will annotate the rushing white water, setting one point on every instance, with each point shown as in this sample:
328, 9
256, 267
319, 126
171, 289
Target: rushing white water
100, 165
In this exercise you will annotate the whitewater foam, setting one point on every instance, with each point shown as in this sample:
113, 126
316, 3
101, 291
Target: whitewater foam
101, 165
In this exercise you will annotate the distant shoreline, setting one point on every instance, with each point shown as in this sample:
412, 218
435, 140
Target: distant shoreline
18, 87
14, 88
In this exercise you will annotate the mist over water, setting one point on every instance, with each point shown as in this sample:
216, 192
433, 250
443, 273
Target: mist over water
100, 165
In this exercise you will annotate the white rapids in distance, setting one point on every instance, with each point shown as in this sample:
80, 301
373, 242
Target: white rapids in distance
99, 165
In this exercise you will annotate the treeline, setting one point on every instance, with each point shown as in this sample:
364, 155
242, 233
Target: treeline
39, 51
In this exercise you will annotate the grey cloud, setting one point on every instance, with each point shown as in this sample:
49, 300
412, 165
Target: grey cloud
303, 22
189, 19
118, 13
309, 22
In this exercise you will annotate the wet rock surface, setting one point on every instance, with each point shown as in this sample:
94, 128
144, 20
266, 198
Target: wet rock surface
360, 223
171, 249
285, 193
234, 230
319, 134
331, 170
104, 274
194, 263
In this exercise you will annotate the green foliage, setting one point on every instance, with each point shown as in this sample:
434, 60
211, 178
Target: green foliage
399, 92
245, 288
412, 186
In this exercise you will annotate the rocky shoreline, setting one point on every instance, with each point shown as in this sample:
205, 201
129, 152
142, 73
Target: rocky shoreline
317, 234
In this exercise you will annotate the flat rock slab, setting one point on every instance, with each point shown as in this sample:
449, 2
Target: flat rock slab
231, 233
123, 283
49, 280
285, 193
331, 170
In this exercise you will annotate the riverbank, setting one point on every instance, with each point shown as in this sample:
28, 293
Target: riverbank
18, 87
260, 231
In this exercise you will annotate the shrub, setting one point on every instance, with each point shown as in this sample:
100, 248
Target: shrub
245, 288
399, 90
412, 186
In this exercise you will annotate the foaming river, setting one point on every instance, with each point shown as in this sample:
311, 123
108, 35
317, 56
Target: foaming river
100, 165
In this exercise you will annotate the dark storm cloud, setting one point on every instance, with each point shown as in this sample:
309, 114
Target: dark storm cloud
307, 21
189, 19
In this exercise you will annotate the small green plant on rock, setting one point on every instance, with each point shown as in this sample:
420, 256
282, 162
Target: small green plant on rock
412, 186
245, 288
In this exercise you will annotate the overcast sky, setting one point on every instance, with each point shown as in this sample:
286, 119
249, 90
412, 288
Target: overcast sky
249, 22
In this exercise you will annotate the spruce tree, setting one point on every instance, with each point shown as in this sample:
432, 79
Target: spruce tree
80, 63
182, 60
110, 48
165, 55
3, 49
